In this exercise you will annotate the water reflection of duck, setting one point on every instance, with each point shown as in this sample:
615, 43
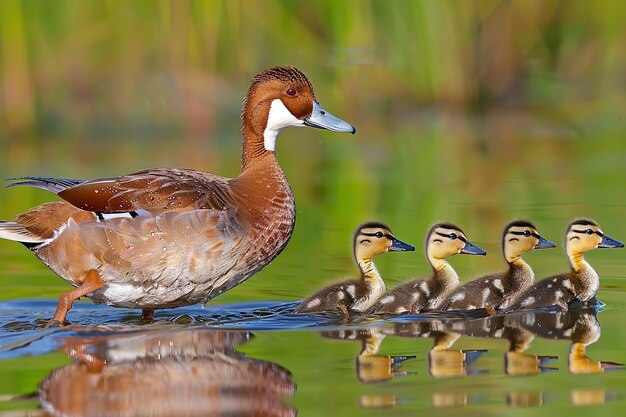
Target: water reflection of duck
371, 367
370, 239
486, 291
442, 241
163, 238
581, 283
172, 372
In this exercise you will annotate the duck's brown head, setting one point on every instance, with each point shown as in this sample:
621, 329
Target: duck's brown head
521, 236
371, 239
283, 97
446, 239
585, 234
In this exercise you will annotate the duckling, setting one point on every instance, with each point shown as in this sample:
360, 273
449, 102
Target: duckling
370, 239
581, 283
519, 237
443, 240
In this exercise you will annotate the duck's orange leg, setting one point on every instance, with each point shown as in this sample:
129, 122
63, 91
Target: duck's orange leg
345, 311
91, 284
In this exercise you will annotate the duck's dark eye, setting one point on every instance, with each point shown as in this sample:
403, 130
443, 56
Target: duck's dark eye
291, 92
589, 231
526, 233
379, 234
452, 236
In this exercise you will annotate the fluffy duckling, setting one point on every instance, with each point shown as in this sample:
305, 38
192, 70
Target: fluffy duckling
518, 238
370, 239
581, 283
443, 240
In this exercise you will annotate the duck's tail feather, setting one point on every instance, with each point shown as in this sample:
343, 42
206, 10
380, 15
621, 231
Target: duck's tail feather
19, 233
55, 185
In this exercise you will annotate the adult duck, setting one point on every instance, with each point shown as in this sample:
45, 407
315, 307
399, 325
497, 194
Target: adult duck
163, 238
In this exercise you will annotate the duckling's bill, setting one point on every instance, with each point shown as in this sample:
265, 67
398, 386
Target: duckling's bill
322, 119
471, 249
608, 242
400, 246
545, 244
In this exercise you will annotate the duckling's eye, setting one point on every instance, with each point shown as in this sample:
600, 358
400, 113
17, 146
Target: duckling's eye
378, 234
526, 233
589, 231
291, 92
452, 236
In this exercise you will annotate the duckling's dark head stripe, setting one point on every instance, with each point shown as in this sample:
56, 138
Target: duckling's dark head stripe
461, 238
535, 234
519, 223
446, 226
373, 225
584, 232
583, 222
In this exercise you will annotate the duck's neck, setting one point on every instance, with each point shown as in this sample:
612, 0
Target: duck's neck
253, 147
369, 273
443, 271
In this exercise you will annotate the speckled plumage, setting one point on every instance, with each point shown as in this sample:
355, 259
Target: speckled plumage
580, 283
442, 240
487, 291
358, 295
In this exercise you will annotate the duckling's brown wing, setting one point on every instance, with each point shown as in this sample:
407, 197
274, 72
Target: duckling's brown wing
329, 298
153, 190
553, 291
484, 291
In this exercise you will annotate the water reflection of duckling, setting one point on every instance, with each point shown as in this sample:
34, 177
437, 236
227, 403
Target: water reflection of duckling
516, 362
371, 367
370, 239
443, 240
518, 238
581, 283
169, 373
587, 331
581, 327
443, 362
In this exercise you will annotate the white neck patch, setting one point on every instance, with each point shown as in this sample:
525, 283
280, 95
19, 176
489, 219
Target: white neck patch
278, 119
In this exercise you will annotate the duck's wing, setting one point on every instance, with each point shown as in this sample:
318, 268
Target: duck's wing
153, 190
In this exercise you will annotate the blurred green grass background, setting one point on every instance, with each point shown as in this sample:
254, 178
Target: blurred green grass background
475, 112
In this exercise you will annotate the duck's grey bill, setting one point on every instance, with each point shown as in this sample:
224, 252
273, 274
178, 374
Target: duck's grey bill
321, 119
400, 246
471, 249
608, 242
